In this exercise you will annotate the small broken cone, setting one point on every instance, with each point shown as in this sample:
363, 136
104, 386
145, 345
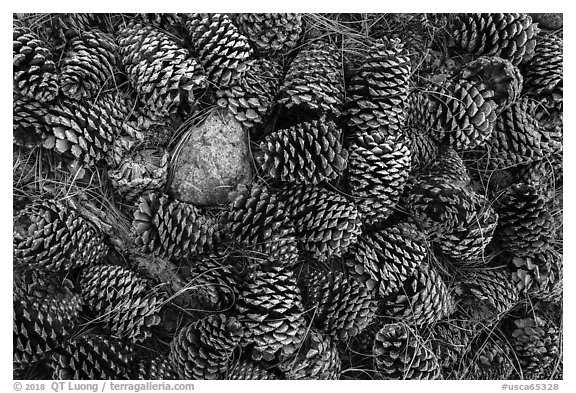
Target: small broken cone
211, 160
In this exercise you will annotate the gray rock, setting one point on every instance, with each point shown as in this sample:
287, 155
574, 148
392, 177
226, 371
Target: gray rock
548, 20
211, 160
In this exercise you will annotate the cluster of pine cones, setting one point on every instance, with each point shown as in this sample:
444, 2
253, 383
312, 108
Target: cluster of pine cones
405, 221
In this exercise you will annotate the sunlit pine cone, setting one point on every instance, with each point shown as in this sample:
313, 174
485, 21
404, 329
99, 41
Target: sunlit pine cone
378, 169
385, 258
45, 313
314, 81
326, 223
224, 52
34, 71
511, 36
162, 72
88, 64
271, 33
536, 273
158, 368
309, 153
51, 235
172, 229
250, 98
377, 95
248, 370
92, 357
270, 308
203, 349
258, 220
143, 171
341, 306
120, 299
399, 353
29, 121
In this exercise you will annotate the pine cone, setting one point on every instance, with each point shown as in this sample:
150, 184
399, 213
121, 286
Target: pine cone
88, 64
92, 357
161, 71
379, 168
29, 121
314, 82
309, 153
490, 358
487, 294
119, 298
536, 343
326, 223
377, 95
422, 299
273, 34
250, 98
45, 312
141, 172
317, 359
447, 167
384, 259
537, 273
259, 220
51, 235
33, 68
450, 341
509, 36
224, 52
342, 307
460, 115
62, 27
497, 75
203, 349
215, 283
270, 306
544, 72
169, 22
399, 353
92, 131
172, 229
158, 368
525, 226
247, 370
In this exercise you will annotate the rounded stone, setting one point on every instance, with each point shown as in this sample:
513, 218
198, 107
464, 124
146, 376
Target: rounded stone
211, 160
550, 21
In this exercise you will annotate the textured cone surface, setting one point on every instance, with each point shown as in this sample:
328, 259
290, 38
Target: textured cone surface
448, 167
203, 349
223, 51
450, 340
29, 121
119, 298
251, 97
384, 259
377, 95
378, 170
270, 307
423, 298
537, 273
273, 33
63, 27
33, 68
247, 370
466, 244
259, 220
400, 354
215, 283
163, 73
510, 36
497, 75
536, 343
341, 306
88, 64
141, 172
317, 359
314, 81
92, 131
50, 235
309, 152
525, 225
91, 357
326, 223
488, 294
490, 358
172, 229
45, 312
159, 368
460, 115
